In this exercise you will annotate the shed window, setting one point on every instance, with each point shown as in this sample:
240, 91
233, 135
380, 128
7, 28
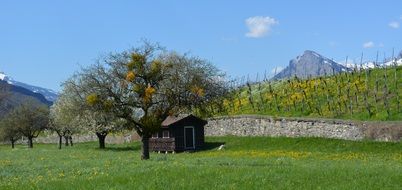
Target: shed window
155, 135
165, 134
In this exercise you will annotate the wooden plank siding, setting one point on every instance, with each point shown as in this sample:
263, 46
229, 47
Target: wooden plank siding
176, 140
162, 144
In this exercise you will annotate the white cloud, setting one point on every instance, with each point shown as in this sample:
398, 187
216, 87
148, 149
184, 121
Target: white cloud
369, 44
259, 26
394, 24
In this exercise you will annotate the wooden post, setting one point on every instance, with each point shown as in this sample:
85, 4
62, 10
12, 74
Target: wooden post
396, 81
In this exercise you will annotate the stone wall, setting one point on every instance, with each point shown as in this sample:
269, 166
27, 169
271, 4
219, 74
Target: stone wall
251, 125
112, 138
52, 138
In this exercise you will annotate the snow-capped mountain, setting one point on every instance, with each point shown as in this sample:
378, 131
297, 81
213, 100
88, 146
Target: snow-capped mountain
49, 94
313, 64
372, 64
310, 64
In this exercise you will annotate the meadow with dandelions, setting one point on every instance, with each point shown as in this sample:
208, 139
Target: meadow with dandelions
243, 163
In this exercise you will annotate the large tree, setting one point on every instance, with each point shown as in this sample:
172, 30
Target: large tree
146, 84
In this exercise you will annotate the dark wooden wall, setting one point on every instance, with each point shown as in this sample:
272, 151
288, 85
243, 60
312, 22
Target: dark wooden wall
176, 131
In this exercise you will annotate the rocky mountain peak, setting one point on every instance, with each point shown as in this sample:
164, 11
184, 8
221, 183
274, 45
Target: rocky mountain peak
310, 64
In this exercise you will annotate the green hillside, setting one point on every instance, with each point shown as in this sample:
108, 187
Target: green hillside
360, 95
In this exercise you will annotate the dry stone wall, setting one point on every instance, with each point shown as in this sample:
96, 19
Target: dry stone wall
250, 125
110, 138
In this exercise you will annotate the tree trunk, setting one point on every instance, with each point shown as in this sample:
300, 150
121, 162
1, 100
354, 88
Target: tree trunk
66, 139
71, 140
60, 141
12, 143
144, 148
30, 143
101, 138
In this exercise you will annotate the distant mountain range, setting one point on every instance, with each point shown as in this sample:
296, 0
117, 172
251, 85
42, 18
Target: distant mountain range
18, 92
373, 64
50, 95
312, 64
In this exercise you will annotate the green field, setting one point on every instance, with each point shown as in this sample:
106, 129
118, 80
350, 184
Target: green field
245, 163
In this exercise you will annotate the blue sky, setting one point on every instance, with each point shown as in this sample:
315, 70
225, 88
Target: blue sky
44, 42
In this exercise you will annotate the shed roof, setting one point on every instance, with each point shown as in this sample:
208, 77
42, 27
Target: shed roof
176, 118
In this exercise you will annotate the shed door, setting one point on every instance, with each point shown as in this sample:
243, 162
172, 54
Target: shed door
189, 137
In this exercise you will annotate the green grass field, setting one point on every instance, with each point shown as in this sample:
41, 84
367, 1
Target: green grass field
245, 163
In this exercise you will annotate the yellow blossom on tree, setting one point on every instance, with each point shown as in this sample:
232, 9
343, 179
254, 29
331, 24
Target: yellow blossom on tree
198, 91
149, 91
130, 76
92, 99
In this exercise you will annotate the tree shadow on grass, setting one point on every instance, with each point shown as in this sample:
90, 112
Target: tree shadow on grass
122, 149
207, 146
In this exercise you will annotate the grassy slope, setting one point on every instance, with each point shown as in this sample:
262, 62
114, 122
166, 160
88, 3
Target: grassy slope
246, 163
288, 96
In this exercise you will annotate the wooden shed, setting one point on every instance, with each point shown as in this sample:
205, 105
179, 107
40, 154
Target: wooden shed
179, 133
